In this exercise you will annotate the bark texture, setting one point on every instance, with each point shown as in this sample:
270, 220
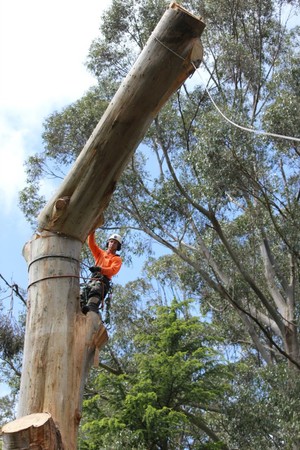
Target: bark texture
60, 342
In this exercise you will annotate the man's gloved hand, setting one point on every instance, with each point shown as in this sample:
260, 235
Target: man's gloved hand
95, 269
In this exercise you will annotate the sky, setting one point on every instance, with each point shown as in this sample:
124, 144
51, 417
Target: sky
43, 47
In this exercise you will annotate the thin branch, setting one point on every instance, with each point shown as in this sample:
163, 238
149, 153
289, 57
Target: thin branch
266, 332
200, 423
270, 276
111, 369
11, 365
15, 288
208, 256
269, 307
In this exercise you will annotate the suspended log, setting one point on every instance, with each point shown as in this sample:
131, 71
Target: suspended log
164, 64
60, 342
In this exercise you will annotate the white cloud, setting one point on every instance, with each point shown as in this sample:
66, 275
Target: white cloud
43, 47
12, 175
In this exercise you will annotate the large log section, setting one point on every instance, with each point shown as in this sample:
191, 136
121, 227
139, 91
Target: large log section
60, 342
156, 75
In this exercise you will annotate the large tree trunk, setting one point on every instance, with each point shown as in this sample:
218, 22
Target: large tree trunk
60, 342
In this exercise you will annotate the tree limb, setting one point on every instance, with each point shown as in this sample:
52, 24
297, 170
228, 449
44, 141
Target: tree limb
200, 423
15, 289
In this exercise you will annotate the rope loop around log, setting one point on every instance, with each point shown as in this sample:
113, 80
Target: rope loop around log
169, 49
70, 258
51, 277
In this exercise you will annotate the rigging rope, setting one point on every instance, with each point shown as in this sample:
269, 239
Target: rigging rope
249, 130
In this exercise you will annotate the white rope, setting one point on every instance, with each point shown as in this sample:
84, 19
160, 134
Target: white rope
249, 130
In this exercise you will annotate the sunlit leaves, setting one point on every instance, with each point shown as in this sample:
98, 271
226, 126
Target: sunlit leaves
172, 373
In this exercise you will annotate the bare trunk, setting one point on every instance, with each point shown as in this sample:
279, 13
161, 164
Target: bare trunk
60, 342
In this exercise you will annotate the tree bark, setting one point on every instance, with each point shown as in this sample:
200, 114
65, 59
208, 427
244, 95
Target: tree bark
162, 67
60, 342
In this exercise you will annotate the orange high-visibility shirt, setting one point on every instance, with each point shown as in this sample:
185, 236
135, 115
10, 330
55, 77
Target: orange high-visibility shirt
109, 263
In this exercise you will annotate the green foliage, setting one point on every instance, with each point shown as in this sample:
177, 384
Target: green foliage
125, 27
7, 413
31, 202
11, 347
269, 396
67, 132
11, 337
282, 115
173, 375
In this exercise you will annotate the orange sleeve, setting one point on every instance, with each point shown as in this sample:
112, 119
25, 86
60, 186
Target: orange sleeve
96, 251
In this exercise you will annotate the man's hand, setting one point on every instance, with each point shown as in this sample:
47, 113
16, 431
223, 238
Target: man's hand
95, 269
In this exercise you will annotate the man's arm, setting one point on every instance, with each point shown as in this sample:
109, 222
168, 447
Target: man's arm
97, 251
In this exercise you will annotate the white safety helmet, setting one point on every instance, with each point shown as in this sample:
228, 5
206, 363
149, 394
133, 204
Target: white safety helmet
117, 238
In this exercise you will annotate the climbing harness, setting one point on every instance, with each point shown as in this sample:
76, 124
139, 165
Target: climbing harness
96, 294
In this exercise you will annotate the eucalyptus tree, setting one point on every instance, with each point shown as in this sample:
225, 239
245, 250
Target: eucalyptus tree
224, 199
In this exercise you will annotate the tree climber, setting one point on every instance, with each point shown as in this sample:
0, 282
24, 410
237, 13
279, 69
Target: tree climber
107, 264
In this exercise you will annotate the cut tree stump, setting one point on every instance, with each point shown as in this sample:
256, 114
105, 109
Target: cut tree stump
32, 432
